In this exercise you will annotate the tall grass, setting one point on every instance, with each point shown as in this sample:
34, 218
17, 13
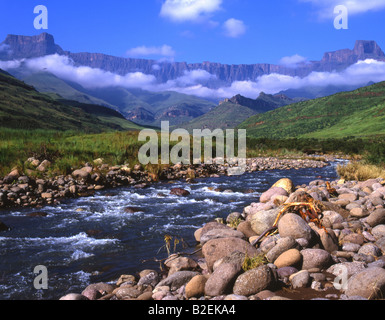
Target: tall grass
360, 171
69, 150
65, 150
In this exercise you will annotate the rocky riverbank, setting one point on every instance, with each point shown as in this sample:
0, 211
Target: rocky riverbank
341, 260
35, 187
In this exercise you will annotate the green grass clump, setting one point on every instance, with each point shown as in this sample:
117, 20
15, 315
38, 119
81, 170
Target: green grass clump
251, 263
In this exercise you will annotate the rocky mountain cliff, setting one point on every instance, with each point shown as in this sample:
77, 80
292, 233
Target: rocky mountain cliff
18, 47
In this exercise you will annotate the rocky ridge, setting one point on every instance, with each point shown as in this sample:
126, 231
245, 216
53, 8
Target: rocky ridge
342, 261
19, 47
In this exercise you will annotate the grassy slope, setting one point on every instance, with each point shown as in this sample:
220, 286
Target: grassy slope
118, 98
48, 83
230, 114
357, 113
22, 107
226, 116
156, 102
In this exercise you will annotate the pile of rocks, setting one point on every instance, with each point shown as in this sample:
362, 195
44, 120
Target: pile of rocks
35, 187
271, 163
344, 260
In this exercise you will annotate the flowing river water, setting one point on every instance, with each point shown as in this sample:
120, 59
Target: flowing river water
94, 239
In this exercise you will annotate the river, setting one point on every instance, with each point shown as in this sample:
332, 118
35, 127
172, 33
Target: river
89, 240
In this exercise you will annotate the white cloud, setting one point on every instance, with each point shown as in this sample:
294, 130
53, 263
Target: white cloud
326, 7
189, 10
63, 67
292, 61
7, 65
4, 48
234, 28
200, 82
143, 51
358, 74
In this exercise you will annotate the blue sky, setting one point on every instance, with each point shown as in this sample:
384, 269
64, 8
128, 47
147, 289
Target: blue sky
225, 31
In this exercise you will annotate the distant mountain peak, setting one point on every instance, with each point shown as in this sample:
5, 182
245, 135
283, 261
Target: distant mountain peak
364, 48
31, 46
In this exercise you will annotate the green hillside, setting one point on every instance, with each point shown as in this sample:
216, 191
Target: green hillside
182, 107
48, 83
226, 116
359, 113
22, 107
232, 112
128, 101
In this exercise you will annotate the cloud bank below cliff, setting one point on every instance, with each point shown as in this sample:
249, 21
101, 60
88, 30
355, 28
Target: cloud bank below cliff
199, 82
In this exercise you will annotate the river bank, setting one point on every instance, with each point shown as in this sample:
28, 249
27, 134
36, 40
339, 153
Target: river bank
34, 188
341, 260
96, 239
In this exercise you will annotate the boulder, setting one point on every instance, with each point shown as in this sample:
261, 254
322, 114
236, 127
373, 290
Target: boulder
328, 239
352, 238
370, 249
92, 294
376, 218
292, 225
150, 278
245, 228
103, 288
315, 259
283, 245
351, 268
219, 248
196, 287
290, 258
179, 192
381, 244
127, 293
359, 213
176, 264
198, 234
126, 279
263, 220
285, 184
220, 233
222, 279
348, 196
44, 166
3, 227
286, 272
210, 226
379, 231
369, 284
81, 174
145, 296
73, 297
177, 280
272, 193
254, 281
300, 279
